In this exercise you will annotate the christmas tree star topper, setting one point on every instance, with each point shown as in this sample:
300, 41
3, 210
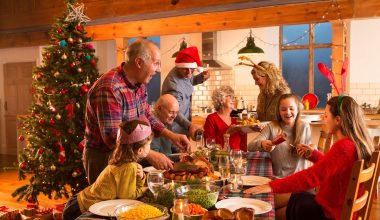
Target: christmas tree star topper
76, 14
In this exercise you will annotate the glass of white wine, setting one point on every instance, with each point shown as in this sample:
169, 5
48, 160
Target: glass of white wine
224, 166
155, 181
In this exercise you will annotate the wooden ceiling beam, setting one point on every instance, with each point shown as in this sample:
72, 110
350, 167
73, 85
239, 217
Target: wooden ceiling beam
227, 20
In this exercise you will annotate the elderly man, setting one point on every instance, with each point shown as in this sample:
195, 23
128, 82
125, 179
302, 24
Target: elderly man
180, 82
120, 95
166, 110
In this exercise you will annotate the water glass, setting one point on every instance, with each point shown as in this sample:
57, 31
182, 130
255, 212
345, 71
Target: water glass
237, 159
155, 181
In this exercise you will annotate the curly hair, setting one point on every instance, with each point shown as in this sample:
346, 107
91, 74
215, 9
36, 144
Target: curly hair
218, 95
124, 153
353, 125
275, 81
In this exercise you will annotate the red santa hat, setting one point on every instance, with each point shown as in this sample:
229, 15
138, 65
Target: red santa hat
188, 58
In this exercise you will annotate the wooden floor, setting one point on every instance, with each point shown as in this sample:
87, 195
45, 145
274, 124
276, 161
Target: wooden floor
9, 182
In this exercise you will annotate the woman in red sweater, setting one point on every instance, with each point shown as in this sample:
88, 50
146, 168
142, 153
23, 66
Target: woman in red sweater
219, 122
344, 119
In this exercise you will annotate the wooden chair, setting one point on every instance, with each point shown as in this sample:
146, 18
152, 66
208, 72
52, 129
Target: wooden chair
376, 142
368, 178
324, 142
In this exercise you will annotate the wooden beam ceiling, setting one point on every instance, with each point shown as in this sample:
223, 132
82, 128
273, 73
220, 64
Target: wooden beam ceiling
100, 29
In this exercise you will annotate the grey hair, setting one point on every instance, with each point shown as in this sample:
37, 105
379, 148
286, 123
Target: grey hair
139, 49
218, 95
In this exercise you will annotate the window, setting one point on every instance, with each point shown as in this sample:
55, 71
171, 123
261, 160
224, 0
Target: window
302, 48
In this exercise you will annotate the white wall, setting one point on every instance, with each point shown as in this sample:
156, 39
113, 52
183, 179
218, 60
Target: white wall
364, 61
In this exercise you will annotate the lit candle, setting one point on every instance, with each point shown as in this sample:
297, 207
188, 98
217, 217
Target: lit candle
172, 185
235, 182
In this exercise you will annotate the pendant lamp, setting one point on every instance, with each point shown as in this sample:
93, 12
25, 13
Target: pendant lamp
250, 47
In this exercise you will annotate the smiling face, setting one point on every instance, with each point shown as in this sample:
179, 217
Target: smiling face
168, 113
228, 101
260, 81
149, 66
186, 72
288, 110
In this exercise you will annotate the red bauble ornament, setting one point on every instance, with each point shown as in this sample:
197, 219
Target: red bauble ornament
84, 88
52, 122
23, 165
63, 91
72, 65
59, 30
81, 146
41, 121
21, 138
79, 28
31, 200
40, 151
93, 63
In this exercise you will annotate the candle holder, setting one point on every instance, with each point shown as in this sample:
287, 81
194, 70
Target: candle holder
180, 209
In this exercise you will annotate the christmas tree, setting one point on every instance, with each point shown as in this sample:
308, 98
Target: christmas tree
54, 128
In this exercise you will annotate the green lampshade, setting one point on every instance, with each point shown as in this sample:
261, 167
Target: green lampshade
181, 47
250, 47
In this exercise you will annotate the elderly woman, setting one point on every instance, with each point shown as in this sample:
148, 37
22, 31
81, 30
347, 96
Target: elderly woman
219, 122
272, 85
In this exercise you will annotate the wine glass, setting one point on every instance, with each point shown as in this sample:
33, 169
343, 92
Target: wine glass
210, 143
237, 160
155, 181
224, 166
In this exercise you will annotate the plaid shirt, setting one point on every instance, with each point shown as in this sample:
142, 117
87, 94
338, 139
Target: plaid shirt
111, 100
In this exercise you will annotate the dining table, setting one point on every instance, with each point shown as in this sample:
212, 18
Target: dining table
258, 164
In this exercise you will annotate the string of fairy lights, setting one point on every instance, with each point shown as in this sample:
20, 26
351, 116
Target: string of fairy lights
334, 7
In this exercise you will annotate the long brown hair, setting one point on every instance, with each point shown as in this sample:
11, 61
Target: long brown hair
124, 153
353, 125
296, 129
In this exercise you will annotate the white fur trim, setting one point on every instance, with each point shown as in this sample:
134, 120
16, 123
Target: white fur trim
186, 65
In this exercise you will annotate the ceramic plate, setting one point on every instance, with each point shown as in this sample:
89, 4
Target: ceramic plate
108, 207
254, 180
232, 204
150, 169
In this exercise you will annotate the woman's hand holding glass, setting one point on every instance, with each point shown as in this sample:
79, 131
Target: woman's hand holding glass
304, 150
155, 181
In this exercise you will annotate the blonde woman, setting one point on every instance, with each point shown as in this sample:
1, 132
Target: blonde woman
272, 85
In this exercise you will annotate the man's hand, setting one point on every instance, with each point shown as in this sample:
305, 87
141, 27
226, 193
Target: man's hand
258, 189
267, 145
179, 140
206, 74
193, 128
159, 160
140, 172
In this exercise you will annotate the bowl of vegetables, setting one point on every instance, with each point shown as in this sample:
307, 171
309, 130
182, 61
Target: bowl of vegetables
142, 211
205, 195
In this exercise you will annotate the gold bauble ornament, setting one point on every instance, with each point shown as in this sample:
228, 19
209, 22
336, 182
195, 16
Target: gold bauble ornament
58, 117
64, 56
56, 74
79, 70
53, 168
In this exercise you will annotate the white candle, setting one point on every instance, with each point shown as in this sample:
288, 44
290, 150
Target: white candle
172, 185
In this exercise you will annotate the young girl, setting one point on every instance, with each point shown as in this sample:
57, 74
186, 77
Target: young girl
344, 119
285, 159
123, 178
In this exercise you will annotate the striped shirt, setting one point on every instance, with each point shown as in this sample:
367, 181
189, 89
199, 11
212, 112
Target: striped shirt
111, 100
